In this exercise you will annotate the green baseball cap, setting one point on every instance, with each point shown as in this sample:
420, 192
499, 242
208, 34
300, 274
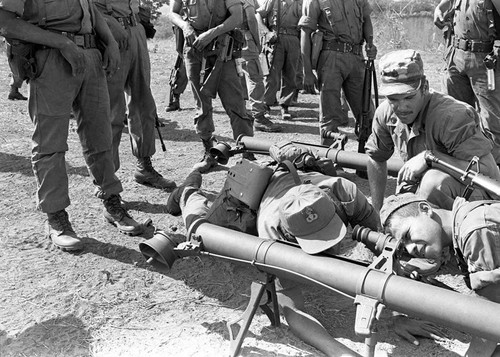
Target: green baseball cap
401, 72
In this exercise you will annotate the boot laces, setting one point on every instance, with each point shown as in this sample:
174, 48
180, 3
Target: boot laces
148, 166
60, 220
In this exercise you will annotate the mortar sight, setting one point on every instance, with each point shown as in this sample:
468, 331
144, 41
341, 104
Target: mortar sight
375, 241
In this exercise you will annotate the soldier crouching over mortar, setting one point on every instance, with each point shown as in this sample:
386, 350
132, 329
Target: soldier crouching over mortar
210, 39
471, 228
310, 209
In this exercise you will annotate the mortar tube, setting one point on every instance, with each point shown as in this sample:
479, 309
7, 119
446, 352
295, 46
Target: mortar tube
468, 314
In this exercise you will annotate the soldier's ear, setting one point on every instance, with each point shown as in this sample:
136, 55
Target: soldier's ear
425, 208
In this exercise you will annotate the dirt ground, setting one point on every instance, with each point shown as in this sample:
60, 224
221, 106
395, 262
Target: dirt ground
106, 300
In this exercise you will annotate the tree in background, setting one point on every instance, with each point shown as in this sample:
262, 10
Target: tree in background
155, 6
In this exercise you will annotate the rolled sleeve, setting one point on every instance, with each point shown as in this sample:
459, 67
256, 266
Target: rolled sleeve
15, 6
310, 14
230, 3
380, 145
462, 137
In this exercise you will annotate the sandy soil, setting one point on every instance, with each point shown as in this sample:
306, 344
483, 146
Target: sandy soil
106, 300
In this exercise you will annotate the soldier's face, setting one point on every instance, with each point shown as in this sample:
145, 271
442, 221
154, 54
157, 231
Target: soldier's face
421, 235
407, 106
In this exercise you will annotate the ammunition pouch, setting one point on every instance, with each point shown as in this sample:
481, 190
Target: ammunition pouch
22, 58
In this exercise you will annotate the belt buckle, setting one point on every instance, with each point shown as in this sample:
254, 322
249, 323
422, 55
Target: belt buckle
79, 41
347, 47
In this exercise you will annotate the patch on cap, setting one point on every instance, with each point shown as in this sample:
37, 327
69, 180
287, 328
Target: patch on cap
309, 214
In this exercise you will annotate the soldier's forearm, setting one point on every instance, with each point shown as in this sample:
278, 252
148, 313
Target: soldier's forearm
377, 179
305, 49
13, 27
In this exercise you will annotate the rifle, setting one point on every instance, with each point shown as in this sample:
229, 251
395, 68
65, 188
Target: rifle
226, 48
158, 124
174, 76
363, 127
468, 176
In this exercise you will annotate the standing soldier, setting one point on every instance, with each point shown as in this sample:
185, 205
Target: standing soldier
254, 74
133, 78
207, 30
472, 67
279, 18
345, 26
70, 77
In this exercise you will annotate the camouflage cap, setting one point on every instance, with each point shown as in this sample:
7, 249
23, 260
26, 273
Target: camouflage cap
401, 72
395, 202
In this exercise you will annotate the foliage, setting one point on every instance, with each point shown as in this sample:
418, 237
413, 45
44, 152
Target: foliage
155, 6
404, 7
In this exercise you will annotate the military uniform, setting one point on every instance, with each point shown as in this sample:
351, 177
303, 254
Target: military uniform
133, 78
475, 238
443, 125
341, 63
466, 75
283, 72
254, 76
201, 18
55, 94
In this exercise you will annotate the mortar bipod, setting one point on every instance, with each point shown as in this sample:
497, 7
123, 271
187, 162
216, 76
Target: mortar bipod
257, 289
369, 308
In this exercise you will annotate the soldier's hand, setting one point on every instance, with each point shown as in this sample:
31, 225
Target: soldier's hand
111, 59
119, 33
310, 83
75, 57
407, 329
189, 35
439, 18
412, 170
202, 41
371, 51
272, 37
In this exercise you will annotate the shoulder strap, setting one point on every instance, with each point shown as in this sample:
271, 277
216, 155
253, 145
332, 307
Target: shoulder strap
287, 165
493, 19
42, 14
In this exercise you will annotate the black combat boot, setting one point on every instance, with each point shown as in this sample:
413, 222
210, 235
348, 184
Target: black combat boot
147, 175
118, 216
60, 231
174, 103
14, 94
208, 160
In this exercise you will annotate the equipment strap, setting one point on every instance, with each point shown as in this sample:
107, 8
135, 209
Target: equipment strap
42, 14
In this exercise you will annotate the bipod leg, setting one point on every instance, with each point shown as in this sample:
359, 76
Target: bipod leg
370, 343
257, 289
